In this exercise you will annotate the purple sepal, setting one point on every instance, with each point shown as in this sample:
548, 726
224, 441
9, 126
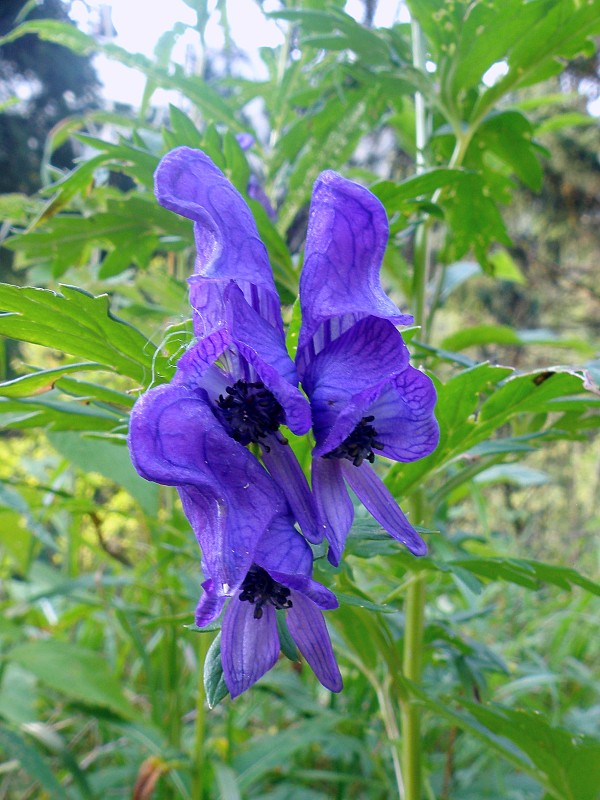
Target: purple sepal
249, 646
376, 498
334, 507
318, 594
284, 468
346, 239
406, 426
309, 632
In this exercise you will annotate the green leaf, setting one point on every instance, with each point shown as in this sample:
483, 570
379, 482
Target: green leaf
473, 218
214, 682
568, 119
74, 671
266, 753
480, 335
562, 30
394, 196
226, 781
42, 380
129, 229
518, 474
323, 140
570, 763
186, 133
526, 572
110, 460
492, 740
455, 275
17, 208
293, 330
487, 34
508, 134
505, 268
458, 399
533, 392
50, 412
77, 323
288, 646
238, 169
30, 760
101, 395
10, 498
504, 335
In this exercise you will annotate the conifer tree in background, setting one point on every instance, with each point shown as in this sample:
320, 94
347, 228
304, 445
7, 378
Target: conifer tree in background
55, 83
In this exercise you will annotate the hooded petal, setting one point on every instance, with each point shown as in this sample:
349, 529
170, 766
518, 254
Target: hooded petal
406, 426
227, 242
346, 239
334, 507
283, 466
308, 630
376, 498
228, 496
249, 646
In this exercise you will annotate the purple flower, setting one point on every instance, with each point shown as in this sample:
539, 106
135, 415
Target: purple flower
354, 366
278, 579
236, 312
228, 497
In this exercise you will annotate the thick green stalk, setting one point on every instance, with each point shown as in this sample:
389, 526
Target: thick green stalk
412, 666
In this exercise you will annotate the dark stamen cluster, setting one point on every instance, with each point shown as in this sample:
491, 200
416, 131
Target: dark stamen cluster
259, 588
249, 411
359, 445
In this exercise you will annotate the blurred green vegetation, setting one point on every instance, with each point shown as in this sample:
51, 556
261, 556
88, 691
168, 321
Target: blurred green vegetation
101, 685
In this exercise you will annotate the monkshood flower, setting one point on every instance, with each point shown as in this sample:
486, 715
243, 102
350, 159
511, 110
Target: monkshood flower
227, 495
278, 579
240, 364
354, 365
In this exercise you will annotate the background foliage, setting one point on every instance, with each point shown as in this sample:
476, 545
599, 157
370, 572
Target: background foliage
491, 187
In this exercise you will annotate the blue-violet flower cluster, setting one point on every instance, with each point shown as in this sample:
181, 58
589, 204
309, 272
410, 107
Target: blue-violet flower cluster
217, 431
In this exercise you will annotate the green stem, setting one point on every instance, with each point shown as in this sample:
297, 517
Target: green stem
199, 752
412, 666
